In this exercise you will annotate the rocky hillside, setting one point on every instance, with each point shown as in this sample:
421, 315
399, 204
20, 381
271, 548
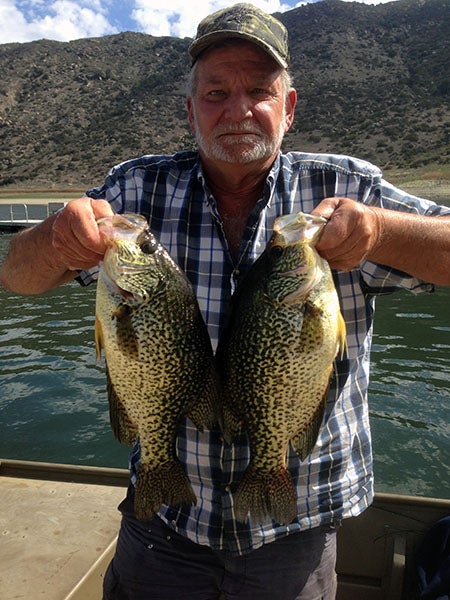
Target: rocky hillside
373, 81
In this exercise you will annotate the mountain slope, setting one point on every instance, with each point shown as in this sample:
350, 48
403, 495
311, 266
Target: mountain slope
372, 81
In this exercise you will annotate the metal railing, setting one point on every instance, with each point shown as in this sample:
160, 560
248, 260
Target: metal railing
23, 214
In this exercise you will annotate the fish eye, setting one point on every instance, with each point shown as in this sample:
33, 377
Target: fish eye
276, 251
149, 247
148, 243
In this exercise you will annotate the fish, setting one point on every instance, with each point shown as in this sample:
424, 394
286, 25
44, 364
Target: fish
159, 360
275, 359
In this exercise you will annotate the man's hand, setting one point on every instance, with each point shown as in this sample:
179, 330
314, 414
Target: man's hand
352, 233
75, 236
45, 256
415, 244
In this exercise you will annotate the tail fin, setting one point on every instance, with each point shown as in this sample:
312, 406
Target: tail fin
165, 484
266, 495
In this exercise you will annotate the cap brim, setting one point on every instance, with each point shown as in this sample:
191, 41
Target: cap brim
203, 43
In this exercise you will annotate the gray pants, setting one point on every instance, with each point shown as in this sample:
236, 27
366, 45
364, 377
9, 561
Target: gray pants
154, 563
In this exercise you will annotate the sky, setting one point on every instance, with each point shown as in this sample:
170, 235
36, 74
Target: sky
65, 20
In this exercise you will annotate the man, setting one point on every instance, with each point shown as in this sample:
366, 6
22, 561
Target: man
214, 212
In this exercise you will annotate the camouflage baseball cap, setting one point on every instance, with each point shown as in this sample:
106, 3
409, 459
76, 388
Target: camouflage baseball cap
247, 22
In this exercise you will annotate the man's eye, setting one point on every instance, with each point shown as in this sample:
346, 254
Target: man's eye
262, 92
215, 93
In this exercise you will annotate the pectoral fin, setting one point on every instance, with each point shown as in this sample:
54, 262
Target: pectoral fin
126, 335
306, 439
342, 336
122, 426
204, 411
99, 345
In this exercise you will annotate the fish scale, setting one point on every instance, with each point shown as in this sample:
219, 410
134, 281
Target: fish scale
276, 358
159, 359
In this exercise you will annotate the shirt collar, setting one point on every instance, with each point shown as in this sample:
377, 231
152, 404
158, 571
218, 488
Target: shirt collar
268, 187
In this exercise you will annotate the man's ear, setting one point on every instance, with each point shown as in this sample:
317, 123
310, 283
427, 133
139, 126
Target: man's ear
291, 101
190, 110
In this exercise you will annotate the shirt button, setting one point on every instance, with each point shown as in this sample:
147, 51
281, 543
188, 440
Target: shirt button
228, 488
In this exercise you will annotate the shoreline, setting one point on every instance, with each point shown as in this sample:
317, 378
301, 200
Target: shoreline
42, 198
435, 189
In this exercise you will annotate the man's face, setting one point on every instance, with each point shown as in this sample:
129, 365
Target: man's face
239, 110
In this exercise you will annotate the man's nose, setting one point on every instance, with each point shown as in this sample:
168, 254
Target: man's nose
238, 107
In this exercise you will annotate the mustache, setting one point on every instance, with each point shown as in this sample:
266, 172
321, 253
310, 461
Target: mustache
242, 127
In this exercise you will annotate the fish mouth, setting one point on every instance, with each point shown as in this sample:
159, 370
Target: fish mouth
309, 275
114, 287
121, 226
126, 295
299, 226
125, 268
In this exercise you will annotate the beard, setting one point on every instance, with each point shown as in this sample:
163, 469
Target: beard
241, 142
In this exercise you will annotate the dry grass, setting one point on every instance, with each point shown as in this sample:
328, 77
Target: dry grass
18, 196
432, 181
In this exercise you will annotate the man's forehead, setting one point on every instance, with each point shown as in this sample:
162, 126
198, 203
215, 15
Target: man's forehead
216, 76
237, 50
219, 60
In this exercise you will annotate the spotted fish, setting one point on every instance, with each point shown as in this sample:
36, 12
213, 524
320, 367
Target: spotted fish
276, 360
159, 360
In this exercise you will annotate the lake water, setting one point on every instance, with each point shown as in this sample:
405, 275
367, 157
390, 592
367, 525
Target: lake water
53, 404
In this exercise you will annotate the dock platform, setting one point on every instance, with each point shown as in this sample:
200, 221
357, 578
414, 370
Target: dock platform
15, 215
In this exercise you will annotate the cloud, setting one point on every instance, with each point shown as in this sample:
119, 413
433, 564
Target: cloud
60, 20
180, 18
64, 20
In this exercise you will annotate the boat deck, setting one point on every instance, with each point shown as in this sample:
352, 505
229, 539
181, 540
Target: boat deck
53, 532
59, 523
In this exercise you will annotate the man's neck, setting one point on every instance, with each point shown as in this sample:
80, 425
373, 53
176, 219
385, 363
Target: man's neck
236, 183
236, 189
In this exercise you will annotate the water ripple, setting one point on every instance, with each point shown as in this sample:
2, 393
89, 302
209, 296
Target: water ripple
53, 392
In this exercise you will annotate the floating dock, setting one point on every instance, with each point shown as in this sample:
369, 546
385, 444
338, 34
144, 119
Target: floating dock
15, 215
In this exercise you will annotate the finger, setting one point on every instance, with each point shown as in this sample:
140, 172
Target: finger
352, 237
76, 236
327, 207
343, 217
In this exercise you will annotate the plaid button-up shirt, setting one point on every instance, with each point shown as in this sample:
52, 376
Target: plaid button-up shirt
336, 480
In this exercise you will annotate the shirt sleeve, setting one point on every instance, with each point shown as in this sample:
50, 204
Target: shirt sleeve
381, 279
